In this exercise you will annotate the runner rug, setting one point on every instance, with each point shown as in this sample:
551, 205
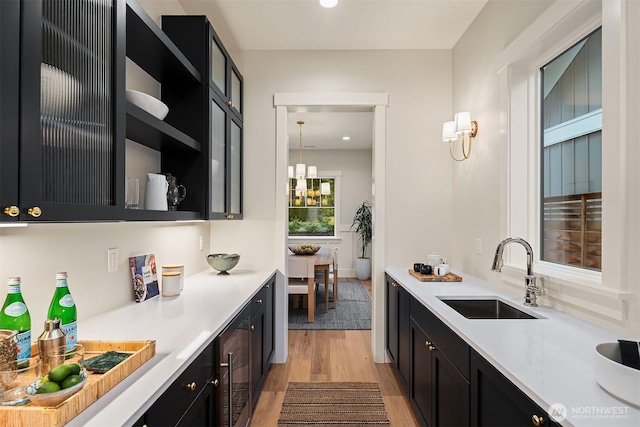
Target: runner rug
333, 403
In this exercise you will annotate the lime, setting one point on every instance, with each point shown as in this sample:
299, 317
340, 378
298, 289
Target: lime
59, 373
49, 387
71, 380
75, 368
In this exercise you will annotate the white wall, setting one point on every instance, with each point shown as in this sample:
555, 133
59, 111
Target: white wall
355, 187
418, 172
480, 185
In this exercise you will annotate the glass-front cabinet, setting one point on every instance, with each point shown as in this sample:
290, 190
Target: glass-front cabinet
225, 78
71, 75
222, 107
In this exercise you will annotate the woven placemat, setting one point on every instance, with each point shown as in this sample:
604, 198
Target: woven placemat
333, 403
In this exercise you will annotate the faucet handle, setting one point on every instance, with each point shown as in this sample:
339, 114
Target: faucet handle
533, 287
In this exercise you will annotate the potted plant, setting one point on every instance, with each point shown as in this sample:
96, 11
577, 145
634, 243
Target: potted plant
364, 230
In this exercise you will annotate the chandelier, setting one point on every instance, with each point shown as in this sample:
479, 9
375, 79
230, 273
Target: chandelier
301, 170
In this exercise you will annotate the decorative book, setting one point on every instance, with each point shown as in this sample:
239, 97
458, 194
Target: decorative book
145, 277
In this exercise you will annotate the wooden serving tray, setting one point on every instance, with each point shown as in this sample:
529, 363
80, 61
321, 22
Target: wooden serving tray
96, 385
449, 277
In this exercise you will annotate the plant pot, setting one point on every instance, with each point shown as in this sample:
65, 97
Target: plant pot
363, 268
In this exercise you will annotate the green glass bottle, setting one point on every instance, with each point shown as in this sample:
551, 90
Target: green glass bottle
64, 308
15, 316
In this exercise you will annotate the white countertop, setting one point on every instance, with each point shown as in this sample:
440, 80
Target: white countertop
551, 359
182, 327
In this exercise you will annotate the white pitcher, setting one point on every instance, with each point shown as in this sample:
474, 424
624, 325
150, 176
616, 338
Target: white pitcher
155, 197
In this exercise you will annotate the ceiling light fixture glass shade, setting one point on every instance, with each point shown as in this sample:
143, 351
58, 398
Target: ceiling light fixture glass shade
328, 3
325, 188
301, 185
301, 171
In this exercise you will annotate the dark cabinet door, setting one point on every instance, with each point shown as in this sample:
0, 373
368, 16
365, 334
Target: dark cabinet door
9, 113
225, 152
200, 412
257, 354
450, 392
404, 337
176, 401
421, 366
269, 321
391, 294
496, 401
72, 110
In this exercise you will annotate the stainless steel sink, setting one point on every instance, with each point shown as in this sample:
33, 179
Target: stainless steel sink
485, 309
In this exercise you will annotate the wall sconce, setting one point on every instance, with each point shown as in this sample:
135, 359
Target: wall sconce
462, 125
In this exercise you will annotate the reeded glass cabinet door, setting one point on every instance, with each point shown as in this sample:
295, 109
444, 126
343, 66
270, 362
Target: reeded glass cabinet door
218, 67
70, 142
236, 91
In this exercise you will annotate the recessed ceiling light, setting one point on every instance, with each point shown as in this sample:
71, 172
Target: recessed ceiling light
346, 138
328, 3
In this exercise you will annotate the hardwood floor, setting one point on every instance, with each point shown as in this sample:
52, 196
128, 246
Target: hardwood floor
331, 356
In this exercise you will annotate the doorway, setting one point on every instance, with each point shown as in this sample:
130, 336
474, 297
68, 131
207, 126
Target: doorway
376, 103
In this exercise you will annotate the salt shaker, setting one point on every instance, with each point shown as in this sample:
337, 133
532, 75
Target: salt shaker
51, 339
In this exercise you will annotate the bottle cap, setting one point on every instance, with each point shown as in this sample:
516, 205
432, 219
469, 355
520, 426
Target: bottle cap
14, 279
61, 275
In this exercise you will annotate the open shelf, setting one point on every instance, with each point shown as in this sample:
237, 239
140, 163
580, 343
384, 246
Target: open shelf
148, 130
150, 48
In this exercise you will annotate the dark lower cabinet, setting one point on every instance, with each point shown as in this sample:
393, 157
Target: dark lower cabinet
397, 330
261, 336
447, 382
200, 395
439, 391
182, 403
496, 401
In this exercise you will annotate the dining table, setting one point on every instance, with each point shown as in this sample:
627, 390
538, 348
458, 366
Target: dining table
322, 261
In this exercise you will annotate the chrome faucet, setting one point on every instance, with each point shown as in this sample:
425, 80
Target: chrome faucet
531, 289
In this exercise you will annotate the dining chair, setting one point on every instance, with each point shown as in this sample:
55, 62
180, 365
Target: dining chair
333, 278
300, 272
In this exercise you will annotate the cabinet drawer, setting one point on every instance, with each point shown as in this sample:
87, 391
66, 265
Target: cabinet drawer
448, 342
175, 401
258, 302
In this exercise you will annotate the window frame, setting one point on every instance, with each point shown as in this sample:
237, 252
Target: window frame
336, 176
522, 81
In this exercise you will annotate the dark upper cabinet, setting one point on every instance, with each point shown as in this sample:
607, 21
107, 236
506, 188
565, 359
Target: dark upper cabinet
218, 121
178, 138
61, 110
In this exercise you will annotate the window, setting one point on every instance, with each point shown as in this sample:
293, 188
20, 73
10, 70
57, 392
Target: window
312, 213
571, 158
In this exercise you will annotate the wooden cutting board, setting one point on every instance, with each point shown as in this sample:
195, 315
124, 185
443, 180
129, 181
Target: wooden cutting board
449, 277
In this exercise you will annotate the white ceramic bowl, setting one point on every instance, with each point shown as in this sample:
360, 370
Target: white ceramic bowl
148, 103
621, 381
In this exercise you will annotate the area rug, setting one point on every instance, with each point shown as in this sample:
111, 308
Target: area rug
353, 311
333, 403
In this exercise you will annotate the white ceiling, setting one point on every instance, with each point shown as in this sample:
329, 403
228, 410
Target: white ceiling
353, 24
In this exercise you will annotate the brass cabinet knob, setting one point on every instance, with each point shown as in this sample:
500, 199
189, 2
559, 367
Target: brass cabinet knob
427, 343
230, 216
258, 301
229, 103
12, 211
215, 382
191, 387
537, 421
34, 211
267, 286
253, 328
432, 347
